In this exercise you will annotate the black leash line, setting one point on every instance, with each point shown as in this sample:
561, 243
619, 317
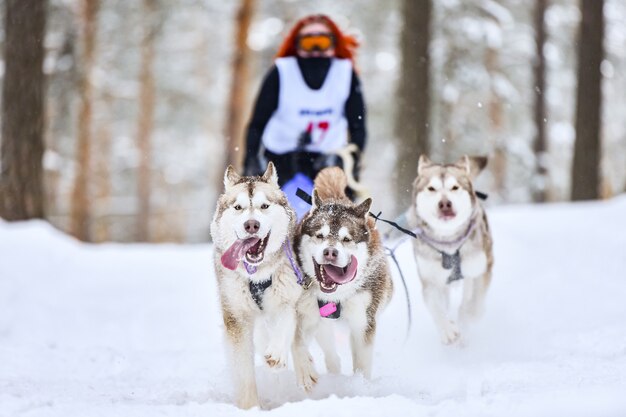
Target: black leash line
304, 196
481, 195
394, 224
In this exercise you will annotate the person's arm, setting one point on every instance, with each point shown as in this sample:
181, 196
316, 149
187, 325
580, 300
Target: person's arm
355, 113
266, 104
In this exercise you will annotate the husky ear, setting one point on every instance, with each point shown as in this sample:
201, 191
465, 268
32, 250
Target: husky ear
473, 165
363, 208
316, 201
230, 177
422, 163
270, 175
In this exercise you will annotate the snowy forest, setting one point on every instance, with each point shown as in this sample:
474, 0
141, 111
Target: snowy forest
119, 117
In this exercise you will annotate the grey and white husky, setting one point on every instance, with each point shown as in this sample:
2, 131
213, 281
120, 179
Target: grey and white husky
341, 255
453, 245
251, 231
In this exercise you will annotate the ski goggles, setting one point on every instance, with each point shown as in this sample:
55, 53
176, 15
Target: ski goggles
316, 42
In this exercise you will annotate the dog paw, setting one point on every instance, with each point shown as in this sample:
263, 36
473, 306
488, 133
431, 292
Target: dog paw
247, 401
307, 381
306, 375
450, 333
276, 360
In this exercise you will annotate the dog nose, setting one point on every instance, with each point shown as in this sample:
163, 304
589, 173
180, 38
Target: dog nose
330, 254
445, 205
252, 226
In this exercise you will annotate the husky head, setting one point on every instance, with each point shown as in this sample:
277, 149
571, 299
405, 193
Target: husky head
333, 244
253, 218
443, 195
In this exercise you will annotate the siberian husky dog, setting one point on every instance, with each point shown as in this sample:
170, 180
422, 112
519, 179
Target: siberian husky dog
251, 231
341, 255
453, 247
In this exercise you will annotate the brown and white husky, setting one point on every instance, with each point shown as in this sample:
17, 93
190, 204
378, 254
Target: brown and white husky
341, 254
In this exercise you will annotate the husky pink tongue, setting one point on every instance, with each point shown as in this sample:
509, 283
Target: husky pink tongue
232, 256
342, 275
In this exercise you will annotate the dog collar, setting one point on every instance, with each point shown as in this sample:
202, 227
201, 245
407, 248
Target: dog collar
329, 310
421, 233
250, 269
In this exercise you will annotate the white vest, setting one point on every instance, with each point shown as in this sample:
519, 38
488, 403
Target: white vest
301, 108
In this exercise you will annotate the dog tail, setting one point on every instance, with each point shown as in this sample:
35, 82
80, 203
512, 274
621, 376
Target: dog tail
346, 155
331, 183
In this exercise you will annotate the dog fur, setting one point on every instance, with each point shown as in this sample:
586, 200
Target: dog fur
247, 200
445, 208
338, 232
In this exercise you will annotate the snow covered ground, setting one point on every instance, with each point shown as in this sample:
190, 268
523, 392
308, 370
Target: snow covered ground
134, 330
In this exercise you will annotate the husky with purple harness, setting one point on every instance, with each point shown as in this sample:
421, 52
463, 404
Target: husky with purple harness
259, 282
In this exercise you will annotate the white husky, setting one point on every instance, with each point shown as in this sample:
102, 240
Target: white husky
251, 231
453, 245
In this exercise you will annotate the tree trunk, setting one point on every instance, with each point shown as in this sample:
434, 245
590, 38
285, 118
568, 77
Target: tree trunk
586, 166
80, 221
413, 111
237, 104
59, 121
21, 180
102, 177
146, 120
498, 161
540, 146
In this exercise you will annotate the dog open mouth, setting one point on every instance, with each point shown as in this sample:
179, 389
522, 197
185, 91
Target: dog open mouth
331, 276
251, 249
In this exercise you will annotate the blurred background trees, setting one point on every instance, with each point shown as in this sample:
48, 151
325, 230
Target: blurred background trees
586, 166
239, 97
145, 102
540, 117
81, 201
413, 97
22, 148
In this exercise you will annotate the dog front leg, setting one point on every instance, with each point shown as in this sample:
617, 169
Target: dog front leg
474, 298
362, 333
302, 360
306, 375
326, 339
239, 335
362, 351
281, 328
436, 300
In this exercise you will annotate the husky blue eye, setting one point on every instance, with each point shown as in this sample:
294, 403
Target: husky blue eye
238, 207
264, 206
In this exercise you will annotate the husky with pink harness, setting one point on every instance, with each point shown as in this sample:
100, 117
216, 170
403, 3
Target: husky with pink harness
258, 279
344, 261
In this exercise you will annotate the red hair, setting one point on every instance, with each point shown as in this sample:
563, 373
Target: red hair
345, 45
